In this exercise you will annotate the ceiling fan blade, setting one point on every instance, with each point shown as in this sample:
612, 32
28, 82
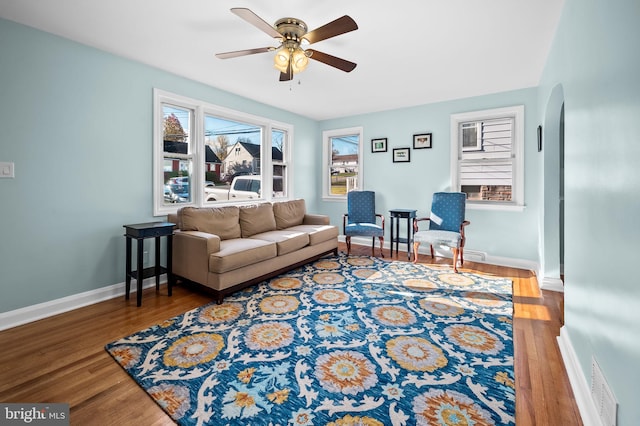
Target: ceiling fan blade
334, 28
256, 21
334, 61
236, 53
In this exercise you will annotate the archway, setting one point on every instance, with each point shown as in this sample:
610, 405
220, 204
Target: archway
553, 196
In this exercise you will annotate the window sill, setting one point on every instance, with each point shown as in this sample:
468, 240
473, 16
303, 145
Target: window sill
495, 206
335, 199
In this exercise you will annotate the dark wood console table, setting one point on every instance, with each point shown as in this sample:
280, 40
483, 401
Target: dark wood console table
139, 232
396, 215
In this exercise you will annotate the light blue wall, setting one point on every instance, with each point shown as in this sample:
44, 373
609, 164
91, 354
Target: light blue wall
77, 122
596, 59
411, 185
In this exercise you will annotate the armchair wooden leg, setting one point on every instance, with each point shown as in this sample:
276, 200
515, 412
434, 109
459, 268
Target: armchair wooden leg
431, 246
455, 259
415, 252
373, 245
348, 241
381, 245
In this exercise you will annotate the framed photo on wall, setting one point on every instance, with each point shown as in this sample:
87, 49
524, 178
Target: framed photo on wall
379, 145
422, 140
401, 155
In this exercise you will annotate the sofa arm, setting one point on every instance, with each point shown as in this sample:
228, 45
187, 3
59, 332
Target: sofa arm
191, 251
315, 219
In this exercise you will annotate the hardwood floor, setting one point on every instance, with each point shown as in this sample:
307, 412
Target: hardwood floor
62, 358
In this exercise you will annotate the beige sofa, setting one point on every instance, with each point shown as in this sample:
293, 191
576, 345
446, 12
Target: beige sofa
231, 247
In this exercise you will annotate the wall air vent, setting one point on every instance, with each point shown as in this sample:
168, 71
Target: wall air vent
603, 398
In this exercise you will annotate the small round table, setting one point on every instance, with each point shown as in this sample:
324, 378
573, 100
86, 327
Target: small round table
396, 215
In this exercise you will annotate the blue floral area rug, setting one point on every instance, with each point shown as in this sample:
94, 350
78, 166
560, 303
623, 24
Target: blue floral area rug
342, 341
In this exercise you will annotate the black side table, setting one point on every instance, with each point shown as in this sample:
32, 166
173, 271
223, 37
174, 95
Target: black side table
396, 215
140, 231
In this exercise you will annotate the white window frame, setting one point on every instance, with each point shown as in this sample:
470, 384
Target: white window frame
197, 141
326, 160
517, 195
287, 155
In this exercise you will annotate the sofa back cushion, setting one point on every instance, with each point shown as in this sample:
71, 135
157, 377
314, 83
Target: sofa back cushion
289, 213
256, 219
221, 221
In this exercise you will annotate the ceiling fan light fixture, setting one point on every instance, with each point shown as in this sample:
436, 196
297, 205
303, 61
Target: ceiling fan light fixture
299, 60
281, 59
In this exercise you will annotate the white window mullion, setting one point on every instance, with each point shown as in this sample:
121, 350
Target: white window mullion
198, 155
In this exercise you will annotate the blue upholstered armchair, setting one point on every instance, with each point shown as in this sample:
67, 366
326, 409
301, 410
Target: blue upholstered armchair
361, 219
446, 225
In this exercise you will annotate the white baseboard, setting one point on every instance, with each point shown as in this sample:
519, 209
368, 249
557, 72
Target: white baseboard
46, 309
32, 313
471, 255
578, 381
553, 284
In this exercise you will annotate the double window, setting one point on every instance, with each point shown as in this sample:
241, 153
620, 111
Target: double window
487, 160
342, 162
201, 150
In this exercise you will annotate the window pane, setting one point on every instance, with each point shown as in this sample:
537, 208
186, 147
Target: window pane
487, 192
177, 164
470, 140
344, 164
177, 122
232, 148
176, 178
486, 164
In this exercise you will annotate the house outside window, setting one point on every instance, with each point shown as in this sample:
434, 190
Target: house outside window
342, 162
487, 157
199, 148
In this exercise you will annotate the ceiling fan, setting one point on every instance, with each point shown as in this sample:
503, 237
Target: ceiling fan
290, 57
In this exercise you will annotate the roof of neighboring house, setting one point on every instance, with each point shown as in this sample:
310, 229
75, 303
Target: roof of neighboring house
254, 150
182, 148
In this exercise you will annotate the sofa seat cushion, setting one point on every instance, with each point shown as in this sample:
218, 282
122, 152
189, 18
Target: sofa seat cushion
221, 221
317, 233
286, 240
239, 252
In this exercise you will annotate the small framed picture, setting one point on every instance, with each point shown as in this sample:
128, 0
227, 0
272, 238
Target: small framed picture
422, 140
379, 145
401, 155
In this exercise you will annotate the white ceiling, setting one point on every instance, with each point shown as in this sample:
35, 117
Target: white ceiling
409, 52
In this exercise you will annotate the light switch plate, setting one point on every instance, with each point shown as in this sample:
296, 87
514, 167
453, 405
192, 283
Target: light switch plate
7, 170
